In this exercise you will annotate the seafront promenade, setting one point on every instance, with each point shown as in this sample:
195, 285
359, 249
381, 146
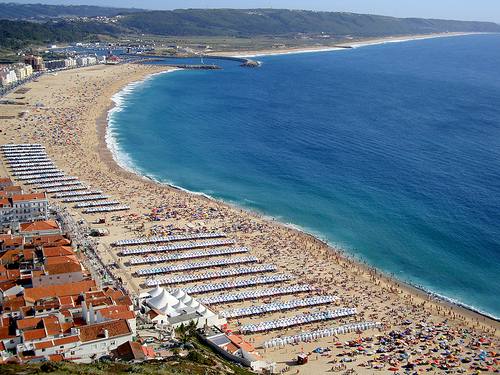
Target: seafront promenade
71, 124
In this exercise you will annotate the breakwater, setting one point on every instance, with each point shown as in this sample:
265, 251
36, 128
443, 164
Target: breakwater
242, 60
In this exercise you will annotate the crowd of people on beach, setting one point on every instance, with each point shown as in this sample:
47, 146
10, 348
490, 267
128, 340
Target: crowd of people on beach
418, 333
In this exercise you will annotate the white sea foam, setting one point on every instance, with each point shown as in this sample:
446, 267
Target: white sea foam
453, 301
124, 160
121, 157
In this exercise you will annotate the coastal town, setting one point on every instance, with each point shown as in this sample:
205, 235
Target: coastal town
98, 263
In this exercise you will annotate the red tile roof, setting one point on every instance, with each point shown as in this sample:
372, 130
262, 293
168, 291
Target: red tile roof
49, 240
56, 342
62, 264
57, 251
28, 254
116, 312
28, 197
231, 348
96, 331
56, 357
148, 351
129, 351
10, 275
7, 284
52, 325
11, 256
10, 189
6, 334
44, 344
13, 303
71, 289
8, 240
61, 259
241, 343
29, 323
35, 334
67, 301
36, 226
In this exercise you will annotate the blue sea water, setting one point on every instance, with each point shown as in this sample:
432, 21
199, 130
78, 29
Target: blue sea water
390, 151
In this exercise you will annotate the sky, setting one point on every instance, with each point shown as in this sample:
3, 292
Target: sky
478, 10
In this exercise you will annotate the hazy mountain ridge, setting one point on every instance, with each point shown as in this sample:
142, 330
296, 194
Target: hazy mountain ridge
16, 34
254, 22
15, 11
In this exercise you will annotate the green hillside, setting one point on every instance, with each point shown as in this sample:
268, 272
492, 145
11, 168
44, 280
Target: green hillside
254, 22
14, 11
240, 23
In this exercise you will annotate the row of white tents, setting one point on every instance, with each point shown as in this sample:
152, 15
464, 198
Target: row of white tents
208, 288
32, 175
256, 293
31, 165
188, 255
317, 334
46, 186
160, 239
85, 198
23, 153
21, 149
92, 210
211, 275
175, 247
277, 306
67, 189
196, 265
27, 159
33, 169
48, 180
97, 203
297, 320
76, 193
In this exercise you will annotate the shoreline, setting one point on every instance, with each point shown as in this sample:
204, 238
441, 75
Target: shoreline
358, 43
72, 125
110, 157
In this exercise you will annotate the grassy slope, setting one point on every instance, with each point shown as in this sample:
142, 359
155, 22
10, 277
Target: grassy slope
39, 11
236, 22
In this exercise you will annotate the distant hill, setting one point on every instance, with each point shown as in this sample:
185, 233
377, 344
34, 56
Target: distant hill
254, 22
16, 34
15, 11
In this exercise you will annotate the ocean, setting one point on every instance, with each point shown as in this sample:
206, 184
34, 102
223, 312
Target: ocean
390, 151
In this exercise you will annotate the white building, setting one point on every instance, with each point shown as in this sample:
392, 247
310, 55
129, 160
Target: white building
23, 71
87, 343
70, 62
173, 309
24, 207
7, 77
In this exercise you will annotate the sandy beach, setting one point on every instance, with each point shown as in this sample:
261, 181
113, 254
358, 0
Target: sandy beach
354, 43
68, 112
